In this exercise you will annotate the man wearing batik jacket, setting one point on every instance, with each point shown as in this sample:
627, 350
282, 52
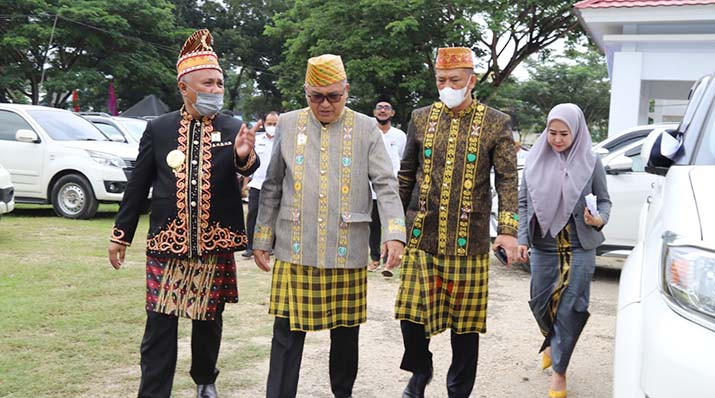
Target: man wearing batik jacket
316, 201
452, 146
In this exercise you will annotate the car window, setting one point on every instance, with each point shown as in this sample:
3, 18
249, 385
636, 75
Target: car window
627, 139
705, 154
66, 126
694, 97
635, 155
135, 127
109, 130
10, 122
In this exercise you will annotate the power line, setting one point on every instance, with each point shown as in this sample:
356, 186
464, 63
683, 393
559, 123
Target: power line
133, 38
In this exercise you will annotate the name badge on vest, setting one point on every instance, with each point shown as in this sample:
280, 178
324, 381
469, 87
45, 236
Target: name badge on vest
216, 136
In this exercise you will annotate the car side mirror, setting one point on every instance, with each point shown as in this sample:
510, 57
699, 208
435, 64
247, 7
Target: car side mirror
619, 164
602, 152
25, 135
659, 150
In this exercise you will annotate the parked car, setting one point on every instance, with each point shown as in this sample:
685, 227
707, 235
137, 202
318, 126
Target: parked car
57, 157
665, 322
7, 192
117, 128
627, 137
628, 186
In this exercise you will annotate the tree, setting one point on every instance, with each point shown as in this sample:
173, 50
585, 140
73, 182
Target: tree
81, 43
389, 47
579, 77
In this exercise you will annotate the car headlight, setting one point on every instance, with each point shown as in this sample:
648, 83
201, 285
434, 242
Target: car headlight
689, 279
107, 159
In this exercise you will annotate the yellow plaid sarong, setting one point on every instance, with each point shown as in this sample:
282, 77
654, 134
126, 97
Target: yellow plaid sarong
318, 298
443, 292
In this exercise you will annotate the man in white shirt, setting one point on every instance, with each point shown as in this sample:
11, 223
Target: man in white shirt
394, 140
263, 148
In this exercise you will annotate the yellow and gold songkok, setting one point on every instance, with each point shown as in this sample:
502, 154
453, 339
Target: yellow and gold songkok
197, 54
325, 70
454, 58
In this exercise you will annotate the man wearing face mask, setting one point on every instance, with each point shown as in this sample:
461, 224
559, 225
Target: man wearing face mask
394, 140
264, 147
190, 157
452, 145
316, 202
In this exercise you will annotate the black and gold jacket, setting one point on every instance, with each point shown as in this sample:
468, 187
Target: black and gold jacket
196, 206
445, 178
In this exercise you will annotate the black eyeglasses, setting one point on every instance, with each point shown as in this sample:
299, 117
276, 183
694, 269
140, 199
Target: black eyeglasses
383, 108
318, 98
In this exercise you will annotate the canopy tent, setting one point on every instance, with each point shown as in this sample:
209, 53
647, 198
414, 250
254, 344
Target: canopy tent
151, 105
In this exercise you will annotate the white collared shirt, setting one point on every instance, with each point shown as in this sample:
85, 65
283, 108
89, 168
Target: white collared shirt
394, 140
263, 148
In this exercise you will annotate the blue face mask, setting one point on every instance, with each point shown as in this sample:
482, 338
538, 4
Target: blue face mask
206, 103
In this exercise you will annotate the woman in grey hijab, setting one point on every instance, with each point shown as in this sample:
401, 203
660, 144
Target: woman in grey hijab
559, 235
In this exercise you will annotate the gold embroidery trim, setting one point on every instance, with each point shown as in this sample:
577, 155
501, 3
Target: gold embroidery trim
263, 233
445, 192
221, 235
249, 163
396, 225
471, 159
175, 237
118, 237
345, 181
508, 219
324, 156
427, 154
298, 171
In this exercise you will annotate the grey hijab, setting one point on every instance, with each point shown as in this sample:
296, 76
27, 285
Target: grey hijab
556, 180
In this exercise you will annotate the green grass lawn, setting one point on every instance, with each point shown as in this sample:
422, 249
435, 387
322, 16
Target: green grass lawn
71, 325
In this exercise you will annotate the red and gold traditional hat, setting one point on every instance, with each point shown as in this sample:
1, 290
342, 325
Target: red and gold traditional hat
454, 58
325, 70
197, 54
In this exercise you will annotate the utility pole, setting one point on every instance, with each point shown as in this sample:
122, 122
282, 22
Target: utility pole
44, 58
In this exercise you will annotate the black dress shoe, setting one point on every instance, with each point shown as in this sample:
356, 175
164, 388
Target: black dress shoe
206, 391
417, 384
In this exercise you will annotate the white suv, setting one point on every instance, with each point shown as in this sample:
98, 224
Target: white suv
57, 157
7, 192
665, 325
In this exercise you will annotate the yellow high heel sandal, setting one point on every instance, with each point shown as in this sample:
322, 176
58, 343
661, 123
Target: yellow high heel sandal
557, 394
545, 361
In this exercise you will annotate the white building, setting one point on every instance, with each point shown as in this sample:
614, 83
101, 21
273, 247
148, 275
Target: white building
655, 50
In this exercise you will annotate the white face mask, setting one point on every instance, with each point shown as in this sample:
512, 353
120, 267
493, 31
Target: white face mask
452, 97
271, 130
206, 103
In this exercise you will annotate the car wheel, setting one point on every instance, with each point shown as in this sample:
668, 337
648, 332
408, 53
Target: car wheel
72, 197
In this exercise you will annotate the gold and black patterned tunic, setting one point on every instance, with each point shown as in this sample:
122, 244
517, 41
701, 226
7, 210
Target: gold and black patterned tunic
444, 178
445, 187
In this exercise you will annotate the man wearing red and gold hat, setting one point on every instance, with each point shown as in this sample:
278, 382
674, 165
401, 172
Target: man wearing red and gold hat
452, 145
316, 201
190, 157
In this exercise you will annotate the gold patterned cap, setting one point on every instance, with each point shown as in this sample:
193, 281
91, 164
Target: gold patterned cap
325, 70
197, 54
454, 58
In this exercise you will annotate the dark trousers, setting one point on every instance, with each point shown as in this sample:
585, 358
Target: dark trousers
253, 196
159, 351
465, 352
287, 353
375, 232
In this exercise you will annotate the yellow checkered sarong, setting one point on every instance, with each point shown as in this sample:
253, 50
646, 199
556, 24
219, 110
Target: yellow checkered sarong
318, 298
443, 292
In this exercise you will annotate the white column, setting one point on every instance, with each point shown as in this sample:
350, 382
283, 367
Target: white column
626, 105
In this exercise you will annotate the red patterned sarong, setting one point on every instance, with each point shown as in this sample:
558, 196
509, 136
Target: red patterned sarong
190, 288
